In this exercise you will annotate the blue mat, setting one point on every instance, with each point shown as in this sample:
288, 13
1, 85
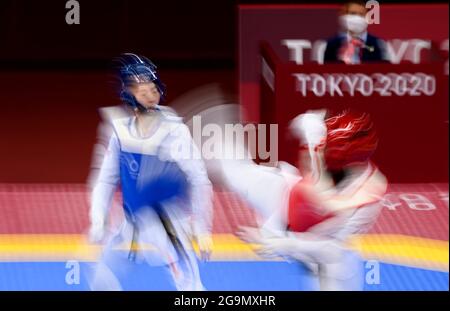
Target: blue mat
216, 275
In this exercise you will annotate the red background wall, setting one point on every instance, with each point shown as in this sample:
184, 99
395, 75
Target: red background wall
48, 119
413, 131
275, 23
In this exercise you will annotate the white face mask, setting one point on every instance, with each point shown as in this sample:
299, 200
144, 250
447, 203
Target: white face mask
353, 23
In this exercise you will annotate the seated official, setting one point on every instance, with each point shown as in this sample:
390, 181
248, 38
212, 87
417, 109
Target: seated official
353, 44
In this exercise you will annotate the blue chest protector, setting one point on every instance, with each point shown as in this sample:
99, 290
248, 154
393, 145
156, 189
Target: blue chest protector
146, 180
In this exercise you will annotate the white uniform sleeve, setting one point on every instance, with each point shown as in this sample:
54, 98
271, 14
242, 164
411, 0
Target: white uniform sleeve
311, 130
106, 183
185, 152
310, 127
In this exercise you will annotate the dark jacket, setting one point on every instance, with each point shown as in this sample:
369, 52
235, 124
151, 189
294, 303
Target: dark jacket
377, 55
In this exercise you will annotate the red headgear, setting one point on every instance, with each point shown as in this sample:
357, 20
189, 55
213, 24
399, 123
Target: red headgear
351, 138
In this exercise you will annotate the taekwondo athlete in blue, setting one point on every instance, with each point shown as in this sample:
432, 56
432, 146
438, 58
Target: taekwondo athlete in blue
166, 193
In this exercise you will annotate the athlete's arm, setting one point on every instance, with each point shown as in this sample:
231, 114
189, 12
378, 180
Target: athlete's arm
104, 189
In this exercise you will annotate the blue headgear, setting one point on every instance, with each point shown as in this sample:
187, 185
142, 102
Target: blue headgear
137, 69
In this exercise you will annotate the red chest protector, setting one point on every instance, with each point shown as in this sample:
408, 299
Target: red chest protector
303, 213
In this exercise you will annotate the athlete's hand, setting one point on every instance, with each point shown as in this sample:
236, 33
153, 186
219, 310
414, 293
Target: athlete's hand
274, 247
310, 127
205, 245
250, 235
96, 232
